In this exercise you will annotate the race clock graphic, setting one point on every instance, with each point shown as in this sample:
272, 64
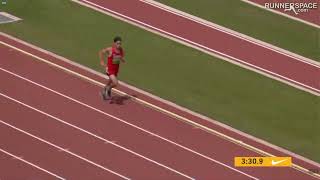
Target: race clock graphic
262, 161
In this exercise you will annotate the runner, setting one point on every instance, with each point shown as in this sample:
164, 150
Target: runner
115, 55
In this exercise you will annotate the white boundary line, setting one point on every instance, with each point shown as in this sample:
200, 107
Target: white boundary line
31, 164
56, 146
127, 123
281, 13
231, 32
63, 59
97, 137
202, 48
167, 102
183, 119
14, 18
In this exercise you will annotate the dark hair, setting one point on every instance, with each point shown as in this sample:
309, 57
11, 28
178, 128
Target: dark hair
117, 38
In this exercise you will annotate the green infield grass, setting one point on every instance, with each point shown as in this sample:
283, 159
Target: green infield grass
243, 99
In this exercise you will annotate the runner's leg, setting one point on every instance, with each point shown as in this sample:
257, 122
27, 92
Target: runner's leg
114, 83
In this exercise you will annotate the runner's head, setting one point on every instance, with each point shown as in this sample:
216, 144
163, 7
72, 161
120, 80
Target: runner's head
117, 42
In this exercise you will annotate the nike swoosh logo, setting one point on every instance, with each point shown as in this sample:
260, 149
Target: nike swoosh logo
273, 162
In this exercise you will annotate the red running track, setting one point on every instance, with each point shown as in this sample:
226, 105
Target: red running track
311, 16
59, 122
23, 170
284, 67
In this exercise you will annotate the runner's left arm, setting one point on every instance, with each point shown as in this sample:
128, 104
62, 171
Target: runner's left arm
122, 58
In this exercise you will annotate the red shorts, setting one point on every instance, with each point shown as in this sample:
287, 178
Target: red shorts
112, 70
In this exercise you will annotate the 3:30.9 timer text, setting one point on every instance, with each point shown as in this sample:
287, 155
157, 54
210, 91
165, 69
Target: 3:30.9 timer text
251, 161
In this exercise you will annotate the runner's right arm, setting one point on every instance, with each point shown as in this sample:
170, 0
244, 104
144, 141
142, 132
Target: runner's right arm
101, 55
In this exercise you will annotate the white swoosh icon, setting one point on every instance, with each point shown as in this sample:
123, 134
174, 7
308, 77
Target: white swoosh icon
273, 162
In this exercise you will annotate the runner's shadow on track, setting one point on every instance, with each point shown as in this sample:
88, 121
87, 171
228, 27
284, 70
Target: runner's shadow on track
119, 100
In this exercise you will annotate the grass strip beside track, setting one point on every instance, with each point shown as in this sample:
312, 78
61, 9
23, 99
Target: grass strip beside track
240, 98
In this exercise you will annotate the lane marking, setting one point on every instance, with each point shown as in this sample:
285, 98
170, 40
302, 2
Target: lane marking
171, 104
201, 49
129, 124
169, 113
282, 14
31, 164
97, 137
56, 146
232, 33
11, 18
311, 89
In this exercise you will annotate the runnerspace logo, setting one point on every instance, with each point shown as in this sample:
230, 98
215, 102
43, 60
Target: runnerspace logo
3, 1
296, 7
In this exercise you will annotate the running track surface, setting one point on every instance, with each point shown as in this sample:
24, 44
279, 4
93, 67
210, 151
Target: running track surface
54, 125
279, 65
311, 16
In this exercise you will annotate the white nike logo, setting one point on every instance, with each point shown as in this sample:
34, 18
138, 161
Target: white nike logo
273, 162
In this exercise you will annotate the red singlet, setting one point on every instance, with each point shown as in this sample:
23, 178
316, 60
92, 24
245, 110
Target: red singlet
114, 61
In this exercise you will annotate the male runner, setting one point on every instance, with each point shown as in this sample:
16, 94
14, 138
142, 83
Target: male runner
115, 55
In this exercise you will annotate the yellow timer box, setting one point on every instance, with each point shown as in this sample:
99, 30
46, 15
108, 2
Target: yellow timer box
262, 161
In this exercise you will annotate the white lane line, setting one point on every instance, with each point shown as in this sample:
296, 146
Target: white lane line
231, 32
56, 146
282, 14
199, 49
31, 164
215, 122
169, 113
129, 124
97, 137
314, 90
